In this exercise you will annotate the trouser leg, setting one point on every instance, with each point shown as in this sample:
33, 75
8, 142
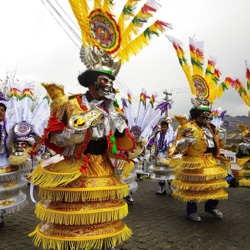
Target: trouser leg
211, 204
191, 208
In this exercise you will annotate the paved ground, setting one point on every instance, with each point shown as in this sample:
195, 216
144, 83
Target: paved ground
158, 223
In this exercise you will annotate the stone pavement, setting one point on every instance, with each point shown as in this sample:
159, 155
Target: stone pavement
158, 223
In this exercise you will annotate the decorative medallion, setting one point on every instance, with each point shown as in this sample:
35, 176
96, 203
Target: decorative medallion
22, 129
105, 31
200, 86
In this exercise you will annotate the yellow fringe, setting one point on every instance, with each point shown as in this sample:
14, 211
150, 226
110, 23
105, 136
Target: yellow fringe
243, 160
186, 196
193, 162
87, 243
127, 168
84, 194
244, 173
82, 216
200, 186
40, 176
244, 182
204, 174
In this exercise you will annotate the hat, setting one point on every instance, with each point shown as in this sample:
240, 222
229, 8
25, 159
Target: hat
89, 76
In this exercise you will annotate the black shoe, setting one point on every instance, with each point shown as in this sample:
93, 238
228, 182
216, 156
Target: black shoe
129, 199
215, 212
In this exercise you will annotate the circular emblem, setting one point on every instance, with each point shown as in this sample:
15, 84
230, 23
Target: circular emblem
22, 129
105, 31
78, 122
200, 86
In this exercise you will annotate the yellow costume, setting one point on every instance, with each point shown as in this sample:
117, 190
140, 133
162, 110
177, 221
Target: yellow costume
243, 156
199, 176
82, 199
82, 203
199, 170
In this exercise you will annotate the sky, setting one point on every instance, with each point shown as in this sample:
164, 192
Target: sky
35, 46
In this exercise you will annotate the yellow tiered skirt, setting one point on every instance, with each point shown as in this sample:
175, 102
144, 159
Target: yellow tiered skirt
80, 211
199, 179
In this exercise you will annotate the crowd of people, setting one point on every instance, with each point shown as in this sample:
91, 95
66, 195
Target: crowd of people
85, 154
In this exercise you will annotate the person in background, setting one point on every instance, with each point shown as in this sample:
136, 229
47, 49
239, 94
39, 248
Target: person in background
3, 149
160, 144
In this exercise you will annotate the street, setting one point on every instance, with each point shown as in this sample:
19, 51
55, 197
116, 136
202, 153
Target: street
158, 223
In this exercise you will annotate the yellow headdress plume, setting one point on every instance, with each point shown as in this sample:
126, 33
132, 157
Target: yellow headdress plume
104, 36
239, 87
203, 82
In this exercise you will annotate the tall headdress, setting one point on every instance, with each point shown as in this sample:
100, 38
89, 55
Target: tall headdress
147, 116
107, 42
203, 82
244, 92
28, 109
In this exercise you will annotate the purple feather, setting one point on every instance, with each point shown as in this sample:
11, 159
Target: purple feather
163, 106
2, 97
124, 103
223, 114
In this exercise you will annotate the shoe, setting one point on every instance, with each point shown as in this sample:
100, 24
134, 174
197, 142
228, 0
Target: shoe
194, 217
215, 212
161, 191
129, 198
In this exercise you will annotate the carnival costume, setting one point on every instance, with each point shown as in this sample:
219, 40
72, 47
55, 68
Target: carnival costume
243, 154
141, 128
24, 123
199, 169
82, 204
160, 170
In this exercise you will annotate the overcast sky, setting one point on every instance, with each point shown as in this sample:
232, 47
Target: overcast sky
37, 47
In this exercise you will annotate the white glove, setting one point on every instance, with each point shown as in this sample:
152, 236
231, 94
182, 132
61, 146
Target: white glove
185, 142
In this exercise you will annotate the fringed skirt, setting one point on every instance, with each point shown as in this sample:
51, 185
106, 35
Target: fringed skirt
12, 181
161, 171
80, 210
244, 174
199, 179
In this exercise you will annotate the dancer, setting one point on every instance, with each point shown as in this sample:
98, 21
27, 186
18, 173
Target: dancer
160, 144
243, 154
21, 121
82, 204
141, 127
199, 169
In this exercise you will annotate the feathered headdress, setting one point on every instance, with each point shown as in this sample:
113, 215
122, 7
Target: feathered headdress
28, 108
203, 82
107, 42
243, 92
148, 113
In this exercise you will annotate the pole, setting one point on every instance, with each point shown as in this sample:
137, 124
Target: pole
167, 99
